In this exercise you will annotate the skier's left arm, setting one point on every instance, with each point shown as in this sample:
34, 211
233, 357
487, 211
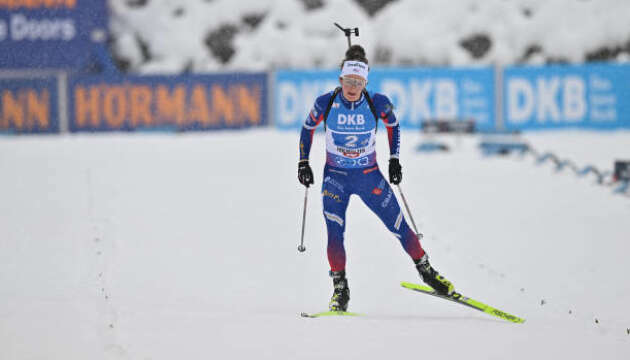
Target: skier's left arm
385, 111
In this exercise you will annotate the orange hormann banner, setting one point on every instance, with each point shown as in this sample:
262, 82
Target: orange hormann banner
37, 4
201, 102
29, 106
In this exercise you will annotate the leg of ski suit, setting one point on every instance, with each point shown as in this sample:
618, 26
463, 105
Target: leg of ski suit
370, 185
336, 194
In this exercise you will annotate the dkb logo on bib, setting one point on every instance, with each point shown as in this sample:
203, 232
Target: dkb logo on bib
350, 119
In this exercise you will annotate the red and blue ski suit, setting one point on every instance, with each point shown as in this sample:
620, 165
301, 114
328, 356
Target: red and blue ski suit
351, 168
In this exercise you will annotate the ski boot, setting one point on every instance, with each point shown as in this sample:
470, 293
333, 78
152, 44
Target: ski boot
341, 294
432, 278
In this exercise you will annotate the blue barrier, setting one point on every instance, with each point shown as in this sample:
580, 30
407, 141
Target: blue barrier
594, 96
505, 148
418, 94
29, 106
171, 103
61, 34
590, 169
432, 146
490, 147
561, 164
536, 98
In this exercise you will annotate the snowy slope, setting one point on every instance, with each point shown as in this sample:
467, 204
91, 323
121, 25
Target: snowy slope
164, 247
172, 36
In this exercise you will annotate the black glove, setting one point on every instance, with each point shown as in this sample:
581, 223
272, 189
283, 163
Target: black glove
305, 174
395, 171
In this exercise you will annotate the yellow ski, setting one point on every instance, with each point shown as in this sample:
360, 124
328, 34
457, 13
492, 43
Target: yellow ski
461, 299
329, 313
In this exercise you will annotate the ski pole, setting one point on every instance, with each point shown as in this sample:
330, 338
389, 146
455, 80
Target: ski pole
408, 211
301, 247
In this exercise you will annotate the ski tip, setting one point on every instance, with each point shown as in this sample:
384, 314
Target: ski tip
407, 285
416, 287
515, 320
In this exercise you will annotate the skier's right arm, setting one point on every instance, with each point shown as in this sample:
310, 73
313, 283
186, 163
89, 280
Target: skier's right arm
314, 118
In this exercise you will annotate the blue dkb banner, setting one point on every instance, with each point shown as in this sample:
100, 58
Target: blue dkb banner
556, 97
418, 94
60, 34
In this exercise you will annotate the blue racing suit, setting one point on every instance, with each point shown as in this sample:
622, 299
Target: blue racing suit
351, 168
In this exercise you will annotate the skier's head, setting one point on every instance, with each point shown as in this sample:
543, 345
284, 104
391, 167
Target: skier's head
354, 73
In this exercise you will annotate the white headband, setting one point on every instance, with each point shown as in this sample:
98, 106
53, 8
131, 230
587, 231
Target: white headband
356, 68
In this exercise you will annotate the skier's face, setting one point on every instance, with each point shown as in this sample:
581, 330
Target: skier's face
352, 86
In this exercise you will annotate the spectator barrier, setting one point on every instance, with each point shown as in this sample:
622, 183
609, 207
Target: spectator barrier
29, 105
418, 94
171, 103
595, 97
52, 34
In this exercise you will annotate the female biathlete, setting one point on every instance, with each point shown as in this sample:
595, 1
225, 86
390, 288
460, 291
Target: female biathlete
350, 115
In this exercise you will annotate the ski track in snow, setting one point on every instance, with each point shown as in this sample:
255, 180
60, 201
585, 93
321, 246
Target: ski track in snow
184, 246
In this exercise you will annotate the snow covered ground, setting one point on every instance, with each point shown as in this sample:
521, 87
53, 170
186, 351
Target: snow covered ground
184, 247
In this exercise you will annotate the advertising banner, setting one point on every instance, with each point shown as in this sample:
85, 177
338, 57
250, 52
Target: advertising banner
554, 97
29, 106
418, 94
57, 34
172, 103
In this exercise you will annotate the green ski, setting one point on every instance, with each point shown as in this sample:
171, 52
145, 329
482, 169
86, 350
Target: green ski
461, 299
329, 313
